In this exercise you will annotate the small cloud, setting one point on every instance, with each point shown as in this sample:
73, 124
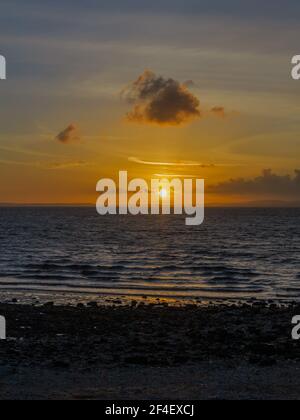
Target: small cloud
69, 135
65, 165
174, 164
46, 165
174, 176
218, 111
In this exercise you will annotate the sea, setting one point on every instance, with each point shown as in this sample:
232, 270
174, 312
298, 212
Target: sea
238, 253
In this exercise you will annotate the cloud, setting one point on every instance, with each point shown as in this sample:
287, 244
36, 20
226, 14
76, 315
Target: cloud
65, 165
69, 135
174, 176
164, 102
46, 165
160, 101
267, 183
177, 164
181, 163
218, 111
16, 150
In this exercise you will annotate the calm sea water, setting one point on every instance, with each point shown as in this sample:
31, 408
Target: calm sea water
237, 253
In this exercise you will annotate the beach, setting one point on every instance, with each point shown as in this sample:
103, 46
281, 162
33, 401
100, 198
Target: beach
141, 349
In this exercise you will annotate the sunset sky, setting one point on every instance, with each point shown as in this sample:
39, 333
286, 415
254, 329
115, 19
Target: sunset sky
95, 87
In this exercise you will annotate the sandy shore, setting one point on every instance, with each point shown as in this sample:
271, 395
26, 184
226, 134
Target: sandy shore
149, 352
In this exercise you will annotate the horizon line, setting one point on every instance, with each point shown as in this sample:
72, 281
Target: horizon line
275, 204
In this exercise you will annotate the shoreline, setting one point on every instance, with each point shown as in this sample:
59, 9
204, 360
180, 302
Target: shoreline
73, 298
106, 350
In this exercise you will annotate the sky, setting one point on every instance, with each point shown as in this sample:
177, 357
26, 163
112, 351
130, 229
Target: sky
196, 88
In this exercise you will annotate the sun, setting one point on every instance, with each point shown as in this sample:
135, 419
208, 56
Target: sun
163, 193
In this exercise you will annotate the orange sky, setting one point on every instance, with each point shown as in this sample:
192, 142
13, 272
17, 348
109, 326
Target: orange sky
70, 113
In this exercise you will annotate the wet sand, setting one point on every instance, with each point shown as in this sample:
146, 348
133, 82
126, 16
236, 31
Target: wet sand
149, 351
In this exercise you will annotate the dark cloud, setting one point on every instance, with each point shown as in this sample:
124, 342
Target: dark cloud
165, 102
267, 183
69, 135
161, 101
